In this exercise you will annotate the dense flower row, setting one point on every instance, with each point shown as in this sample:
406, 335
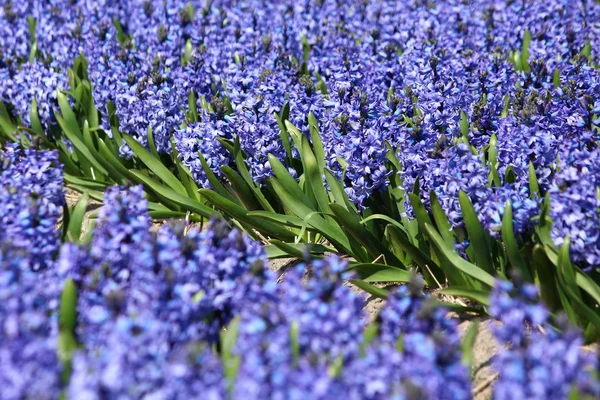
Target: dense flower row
371, 72
152, 306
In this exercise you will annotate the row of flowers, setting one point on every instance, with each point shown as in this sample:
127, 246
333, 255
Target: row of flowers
131, 312
441, 83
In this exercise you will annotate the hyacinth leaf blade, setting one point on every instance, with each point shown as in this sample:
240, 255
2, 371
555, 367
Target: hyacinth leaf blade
85, 182
192, 107
284, 135
397, 238
314, 249
213, 180
230, 360
338, 194
7, 127
534, 188
155, 165
76, 218
510, 242
245, 195
587, 284
71, 129
400, 238
454, 260
317, 144
314, 176
287, 181
187, 180
332, 231
284, 219
482, 297
237, 212
36, 125
441, 220
478, 238
151, 143
372, 244
88, 139
371, 289
173, 196
374, 272
468, 344
545, 273
299, 252
243, 171
107, 156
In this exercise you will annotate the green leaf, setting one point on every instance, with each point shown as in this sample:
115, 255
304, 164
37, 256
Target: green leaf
294, 333
32, 52
287, 181
315, 136
241, 188
566, 268
380, 273
510, 243
419, 210
556, 78
283, 132
372, 244
69, 125
283, 219
76, 218
525, 51
534, 189
455, 260
369, 335
68, 307
89, 142
151, 143
87, 183
6, 124
546, 277
108, 157
478, 237
242, 167
338, 193
333, 232
213, 180
468, 344
421, 259
192, 107
314, 176
300, 250
36, 125
372, 290
479, 296
230, 360
464, 126
441, 221
183, 200
585, 282
315, 250
235, 211
155, 165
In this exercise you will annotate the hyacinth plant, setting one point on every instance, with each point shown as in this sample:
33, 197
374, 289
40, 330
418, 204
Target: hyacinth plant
179, 313
427, 135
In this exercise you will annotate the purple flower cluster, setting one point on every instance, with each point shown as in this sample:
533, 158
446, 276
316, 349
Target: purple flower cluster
310, 343
541, 362
31, 200
469, 95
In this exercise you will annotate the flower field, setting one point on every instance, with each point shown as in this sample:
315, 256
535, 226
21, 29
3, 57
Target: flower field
441, 158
